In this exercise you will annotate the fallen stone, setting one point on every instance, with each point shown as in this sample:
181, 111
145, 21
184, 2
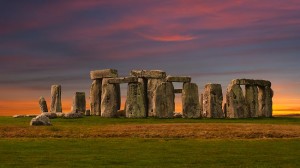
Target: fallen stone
235, 102
50, 115
212, 101
177, 91
152, 85
109, 99
56, 99
177, 115
95, 97
31, 115
164, 105
72, 115
178, 79
156, 74
40, 120
43, 105
251, 82
60, 115
19, 116
123, 80
190, 101
79, 103
105, 73
136, 101
251, 97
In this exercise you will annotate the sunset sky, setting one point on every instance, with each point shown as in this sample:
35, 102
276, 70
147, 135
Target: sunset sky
60, 42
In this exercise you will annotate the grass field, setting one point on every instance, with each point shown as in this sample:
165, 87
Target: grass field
100, 142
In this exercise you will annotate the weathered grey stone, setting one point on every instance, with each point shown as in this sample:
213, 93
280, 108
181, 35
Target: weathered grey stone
177, 115
201, 105
225, 110
265, 95
251, 97
212, 101
148, 74
151, 87
50, 115
79, 103
95, 97
178, 79
190, 101
43, 105
60, 115
235, 102
136, 101
31, 115
121, 113
19, 116
118, 87
40, 120
87, 113
177, 91
105, 73
73, 115
109, 99
164, 105
130, 79
56, 99
251, 82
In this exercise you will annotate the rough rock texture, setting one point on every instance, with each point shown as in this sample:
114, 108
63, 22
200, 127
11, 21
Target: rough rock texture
178, 79
212, 101
73, 115
105, 73
55, 98
43, 105
136, 101
19, 116
87, 113
251, 82
109, 99
177, 91
40, 120
118, 87
148, 74
79, 103
177, 115
164, 105
251, 97
190, 101
130, 79
151, 87
235, 102
265, 95
50, 115
95, 97
201, 105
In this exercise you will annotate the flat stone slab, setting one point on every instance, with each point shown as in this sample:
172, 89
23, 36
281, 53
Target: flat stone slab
130, 79
251, 82
183, 79
148, 74
177, 91
105, 73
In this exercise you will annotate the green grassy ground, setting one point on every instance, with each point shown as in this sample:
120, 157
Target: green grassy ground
147, 152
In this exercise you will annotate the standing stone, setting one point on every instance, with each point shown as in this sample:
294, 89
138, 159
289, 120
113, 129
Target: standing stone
164, 105
79, 103
118, 87
201, 105
55, 98
95, 97
109, 99
265, 95
136, 101
212, 101
151, 88
43, 105
252, 100
235, 102
190, 101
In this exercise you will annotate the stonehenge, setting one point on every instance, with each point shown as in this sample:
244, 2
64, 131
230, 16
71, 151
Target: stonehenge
151, 93
255, 102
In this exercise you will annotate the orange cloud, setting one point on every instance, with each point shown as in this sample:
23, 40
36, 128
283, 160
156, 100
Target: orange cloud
170, 38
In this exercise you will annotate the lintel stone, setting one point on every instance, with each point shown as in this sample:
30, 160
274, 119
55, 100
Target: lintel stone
105, 73
183, 79
123, 80
251, 82
156, 74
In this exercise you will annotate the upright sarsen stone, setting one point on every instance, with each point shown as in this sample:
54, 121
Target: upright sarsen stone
135, 106
55, 99
212, 101
251, 97
190, 101
109, 99
235, 102
265, 95
79, 103
151, 88
164, 105
43, 105
95, 97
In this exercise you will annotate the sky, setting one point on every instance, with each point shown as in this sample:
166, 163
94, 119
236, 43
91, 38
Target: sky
60, 42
